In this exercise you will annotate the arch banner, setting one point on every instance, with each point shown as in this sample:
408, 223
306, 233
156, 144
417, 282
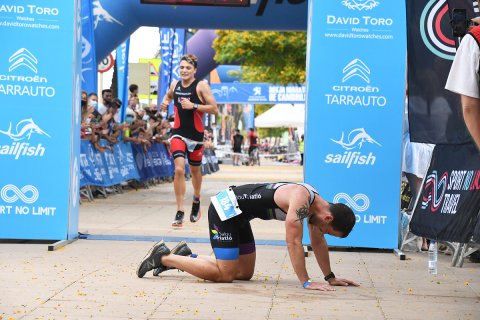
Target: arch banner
40, 80
355, 97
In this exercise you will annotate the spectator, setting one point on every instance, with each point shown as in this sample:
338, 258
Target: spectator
464, 79
252, 141
106, 99
301, 148
133, 88
237, 144
415, 162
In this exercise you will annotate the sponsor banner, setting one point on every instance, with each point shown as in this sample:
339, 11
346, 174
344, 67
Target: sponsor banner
248, 112
433, 111
264, 93
89, 61
122, 72
448, 206
354, 126
106, 168
114, 22
155, 163
40, 83
172, 48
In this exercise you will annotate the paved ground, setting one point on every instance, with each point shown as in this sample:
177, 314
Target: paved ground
95, 279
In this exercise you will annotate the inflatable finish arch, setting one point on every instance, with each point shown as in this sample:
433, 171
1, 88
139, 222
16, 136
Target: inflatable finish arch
114, 22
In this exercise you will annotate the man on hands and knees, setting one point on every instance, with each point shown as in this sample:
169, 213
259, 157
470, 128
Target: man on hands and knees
192, 98
232, 239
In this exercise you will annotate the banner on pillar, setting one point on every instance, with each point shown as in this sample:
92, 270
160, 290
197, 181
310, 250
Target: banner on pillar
172, 47
355, 93
40, 81
449, 203
122, 72
89, 61
434, 113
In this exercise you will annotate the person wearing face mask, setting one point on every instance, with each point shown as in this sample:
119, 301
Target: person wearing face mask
163, 114
192, 99
92, 105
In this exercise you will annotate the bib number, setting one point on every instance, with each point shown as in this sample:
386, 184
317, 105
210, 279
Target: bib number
226, 205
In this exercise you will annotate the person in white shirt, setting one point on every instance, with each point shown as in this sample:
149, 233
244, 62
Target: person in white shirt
464, 80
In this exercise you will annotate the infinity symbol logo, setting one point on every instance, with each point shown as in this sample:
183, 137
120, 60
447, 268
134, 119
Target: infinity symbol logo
10, 193
354, 202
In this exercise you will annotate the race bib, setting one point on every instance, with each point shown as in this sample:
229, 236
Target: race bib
225, 202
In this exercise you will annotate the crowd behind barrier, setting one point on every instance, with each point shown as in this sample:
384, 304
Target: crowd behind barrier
124, 161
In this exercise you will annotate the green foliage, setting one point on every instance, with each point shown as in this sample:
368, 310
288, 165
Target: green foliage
265, 56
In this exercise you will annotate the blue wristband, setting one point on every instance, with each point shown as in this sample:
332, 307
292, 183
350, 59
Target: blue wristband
307, 283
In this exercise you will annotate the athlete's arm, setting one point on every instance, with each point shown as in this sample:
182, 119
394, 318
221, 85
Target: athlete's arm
320, 249
298, 207
167, 99
209, 104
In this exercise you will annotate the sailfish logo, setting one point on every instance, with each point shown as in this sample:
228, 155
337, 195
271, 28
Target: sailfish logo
356, 68
356, 139
360, 4
23, 58
101, 14
24, 130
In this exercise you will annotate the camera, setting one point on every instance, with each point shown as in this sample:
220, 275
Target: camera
459, 22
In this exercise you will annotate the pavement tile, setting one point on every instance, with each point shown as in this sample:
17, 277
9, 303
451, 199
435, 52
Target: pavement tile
96, 279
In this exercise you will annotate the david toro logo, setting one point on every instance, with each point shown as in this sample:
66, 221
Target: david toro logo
360, 5
353, 144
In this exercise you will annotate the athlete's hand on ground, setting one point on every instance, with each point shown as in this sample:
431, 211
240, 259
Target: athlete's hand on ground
319, 286
342, 282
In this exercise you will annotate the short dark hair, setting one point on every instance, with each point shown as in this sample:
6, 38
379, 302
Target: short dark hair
117, 102
132, 87
106, 90
190, 58
343, 218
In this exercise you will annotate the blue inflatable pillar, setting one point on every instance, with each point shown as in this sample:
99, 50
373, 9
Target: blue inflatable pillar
40, 72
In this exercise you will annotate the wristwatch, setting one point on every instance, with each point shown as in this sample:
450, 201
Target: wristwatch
195, 106
329, 276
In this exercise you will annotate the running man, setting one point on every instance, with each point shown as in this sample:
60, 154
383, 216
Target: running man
232, 239
192, 98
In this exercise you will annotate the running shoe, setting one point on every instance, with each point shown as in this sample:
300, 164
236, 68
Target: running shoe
178, 222
180, 249
195, 214
153, 258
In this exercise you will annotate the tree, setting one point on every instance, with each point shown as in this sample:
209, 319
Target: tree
265, 56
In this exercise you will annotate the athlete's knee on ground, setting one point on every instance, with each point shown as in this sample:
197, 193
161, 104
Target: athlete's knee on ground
225, 277
244, 275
